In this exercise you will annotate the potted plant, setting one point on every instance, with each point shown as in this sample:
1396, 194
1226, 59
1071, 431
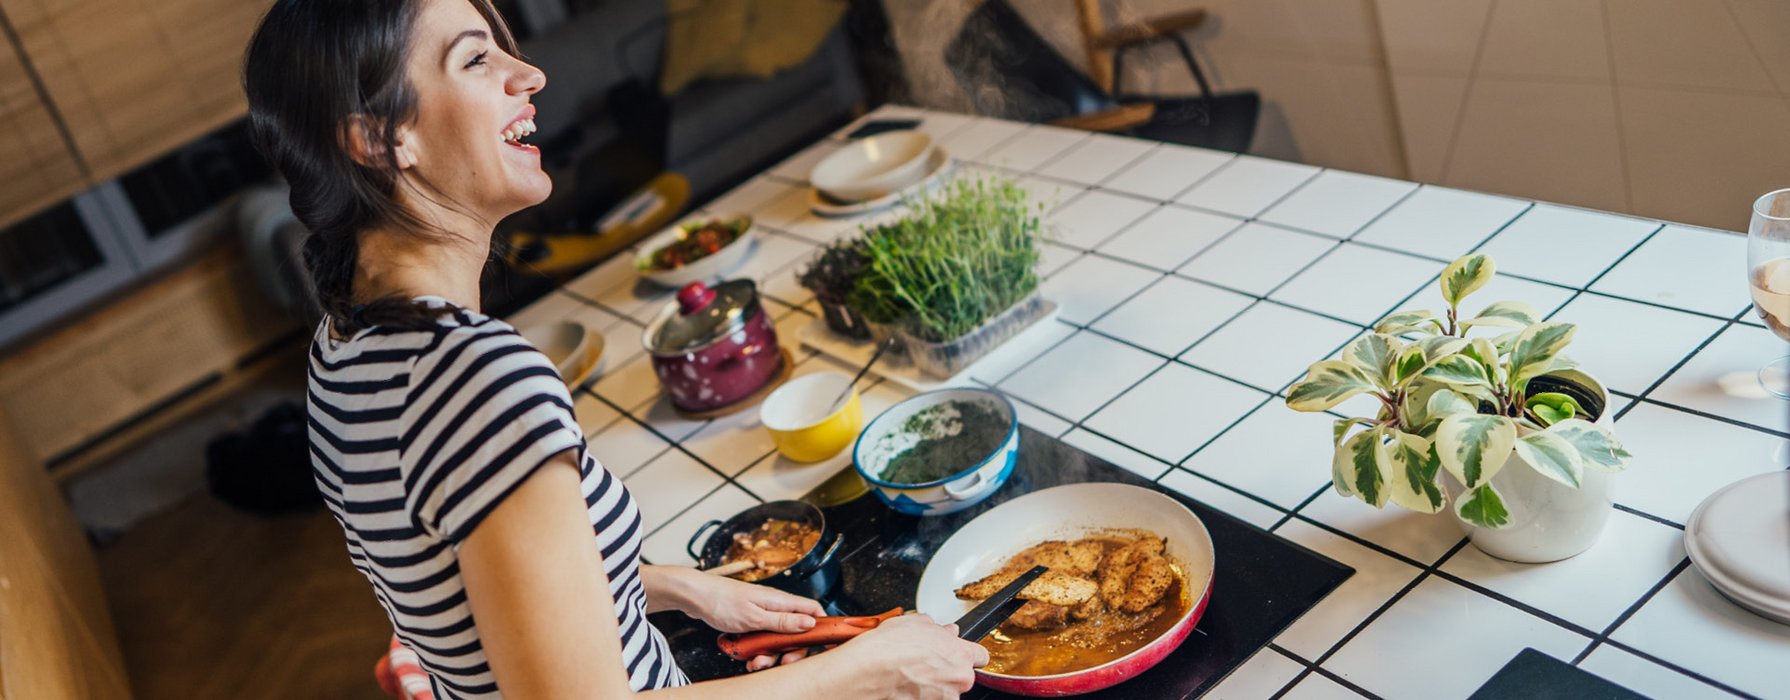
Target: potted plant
1506, 428
956, 278
831, 276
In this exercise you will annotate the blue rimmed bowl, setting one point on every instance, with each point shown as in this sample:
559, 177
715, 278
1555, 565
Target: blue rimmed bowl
967, 485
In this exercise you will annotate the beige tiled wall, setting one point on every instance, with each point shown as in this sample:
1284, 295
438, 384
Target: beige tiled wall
1677, 109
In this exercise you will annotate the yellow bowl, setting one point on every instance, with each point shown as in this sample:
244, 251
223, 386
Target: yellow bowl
796, 417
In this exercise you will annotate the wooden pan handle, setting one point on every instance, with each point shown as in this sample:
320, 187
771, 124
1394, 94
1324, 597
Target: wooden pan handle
826, 630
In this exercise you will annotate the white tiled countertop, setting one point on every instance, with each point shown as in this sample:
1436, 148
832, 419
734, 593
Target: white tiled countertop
1195, 286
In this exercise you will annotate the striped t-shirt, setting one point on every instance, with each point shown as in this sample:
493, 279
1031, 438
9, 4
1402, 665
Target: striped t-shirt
416, 435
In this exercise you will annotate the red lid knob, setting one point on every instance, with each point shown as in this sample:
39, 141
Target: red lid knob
693, 297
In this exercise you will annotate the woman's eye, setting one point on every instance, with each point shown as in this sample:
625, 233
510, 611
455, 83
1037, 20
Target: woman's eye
477, 60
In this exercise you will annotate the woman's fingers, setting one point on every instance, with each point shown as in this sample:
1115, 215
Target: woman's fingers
789, 602
787, 621
794, 656
760, 663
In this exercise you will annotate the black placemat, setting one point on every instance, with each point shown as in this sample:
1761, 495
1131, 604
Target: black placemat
1532, 675
1261, 583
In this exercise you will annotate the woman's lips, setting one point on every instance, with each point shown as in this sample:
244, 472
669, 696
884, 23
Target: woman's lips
522, 126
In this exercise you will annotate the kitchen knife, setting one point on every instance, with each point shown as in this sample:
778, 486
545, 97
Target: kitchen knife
990, 613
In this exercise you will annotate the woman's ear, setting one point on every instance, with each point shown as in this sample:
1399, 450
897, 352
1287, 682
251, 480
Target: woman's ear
365, 142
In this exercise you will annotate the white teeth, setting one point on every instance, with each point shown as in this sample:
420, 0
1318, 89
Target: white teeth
518, 130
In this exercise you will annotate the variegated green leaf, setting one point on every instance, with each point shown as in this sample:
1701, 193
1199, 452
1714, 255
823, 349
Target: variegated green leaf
1482, 506
1340, 428
1357, 463
1374, 354
1400, 323
1553, 456
1327, 384
1596, 446
1505, 314
1338, 479
1443, 404
1560, 363
1503, 342
1473, 447
1535, 347
1411, 473
1458, 370
1434, 349
1407, 366
1483, 351
1465, 276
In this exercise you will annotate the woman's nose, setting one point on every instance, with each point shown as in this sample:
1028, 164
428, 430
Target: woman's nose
527, 79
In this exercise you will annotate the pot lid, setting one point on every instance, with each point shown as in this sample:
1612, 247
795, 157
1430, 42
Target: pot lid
1739, 538
701, 315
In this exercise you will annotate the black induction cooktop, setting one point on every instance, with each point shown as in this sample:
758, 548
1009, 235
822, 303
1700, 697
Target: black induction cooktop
1261, 584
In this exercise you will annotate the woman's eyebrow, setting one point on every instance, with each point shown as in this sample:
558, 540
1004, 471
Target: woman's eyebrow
468, 34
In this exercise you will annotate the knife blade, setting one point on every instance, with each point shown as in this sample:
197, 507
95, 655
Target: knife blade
994, 610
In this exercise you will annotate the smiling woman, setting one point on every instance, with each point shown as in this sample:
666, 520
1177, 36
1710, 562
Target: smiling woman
504, 554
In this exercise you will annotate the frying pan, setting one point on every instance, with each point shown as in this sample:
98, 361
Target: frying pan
1066, 512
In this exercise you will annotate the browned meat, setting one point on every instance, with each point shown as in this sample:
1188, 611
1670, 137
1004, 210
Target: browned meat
1153, 578
1059, 589
1094, 605
1038, 615
1115, 575
1078, 559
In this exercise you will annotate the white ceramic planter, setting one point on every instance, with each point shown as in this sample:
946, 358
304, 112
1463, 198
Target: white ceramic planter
1548, 520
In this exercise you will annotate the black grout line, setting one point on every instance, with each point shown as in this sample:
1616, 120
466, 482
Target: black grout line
1396, 597
1647, 516
1632, 609
1302, 504
1680, 669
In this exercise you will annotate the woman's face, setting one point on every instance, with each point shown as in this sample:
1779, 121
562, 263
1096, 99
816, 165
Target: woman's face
472, 109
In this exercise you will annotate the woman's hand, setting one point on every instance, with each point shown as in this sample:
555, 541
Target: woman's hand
914, 657
731, 605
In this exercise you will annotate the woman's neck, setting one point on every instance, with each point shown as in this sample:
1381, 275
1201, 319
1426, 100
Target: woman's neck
400, 263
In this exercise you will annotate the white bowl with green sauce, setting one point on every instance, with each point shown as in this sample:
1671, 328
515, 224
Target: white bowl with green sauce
939, 452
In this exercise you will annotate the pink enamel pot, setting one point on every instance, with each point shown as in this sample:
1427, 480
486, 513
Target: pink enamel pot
1067, 512
713, 346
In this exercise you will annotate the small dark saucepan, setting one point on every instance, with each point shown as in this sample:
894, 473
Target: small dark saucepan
814, 575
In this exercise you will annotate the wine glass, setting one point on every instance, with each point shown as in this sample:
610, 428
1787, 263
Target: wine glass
1768, 275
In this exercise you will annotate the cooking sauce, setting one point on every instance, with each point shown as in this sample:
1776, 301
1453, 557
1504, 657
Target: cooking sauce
1088, 643
773, 546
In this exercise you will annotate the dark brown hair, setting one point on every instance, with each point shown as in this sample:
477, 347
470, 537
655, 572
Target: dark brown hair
313, 68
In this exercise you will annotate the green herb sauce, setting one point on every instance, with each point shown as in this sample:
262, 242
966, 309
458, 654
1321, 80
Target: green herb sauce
954, 436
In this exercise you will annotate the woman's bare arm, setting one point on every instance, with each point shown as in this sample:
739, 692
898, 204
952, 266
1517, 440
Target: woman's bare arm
535, 580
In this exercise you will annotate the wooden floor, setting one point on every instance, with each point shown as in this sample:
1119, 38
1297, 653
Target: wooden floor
214, 603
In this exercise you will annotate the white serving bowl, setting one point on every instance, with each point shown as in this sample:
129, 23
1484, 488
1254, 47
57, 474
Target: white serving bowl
967, 485
708, 269
873, 167
574, 348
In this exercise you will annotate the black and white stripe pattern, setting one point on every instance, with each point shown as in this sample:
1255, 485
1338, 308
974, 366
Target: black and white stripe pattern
416, 435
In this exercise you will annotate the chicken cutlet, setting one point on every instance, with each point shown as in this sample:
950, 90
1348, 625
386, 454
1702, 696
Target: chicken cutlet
1079, 559
1037, 616
1153, 578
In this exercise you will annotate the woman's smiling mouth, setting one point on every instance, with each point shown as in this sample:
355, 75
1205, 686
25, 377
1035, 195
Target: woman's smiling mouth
523, 126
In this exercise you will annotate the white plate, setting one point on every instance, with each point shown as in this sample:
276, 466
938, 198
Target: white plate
1740, 539
942, 164
874, 167
707, 269
897, 368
